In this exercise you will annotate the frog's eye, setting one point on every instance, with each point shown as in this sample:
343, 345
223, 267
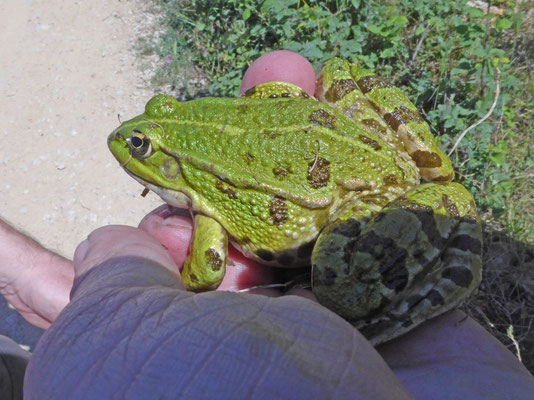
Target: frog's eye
140, 145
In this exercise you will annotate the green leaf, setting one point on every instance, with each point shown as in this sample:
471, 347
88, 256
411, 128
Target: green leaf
246, 14
387, 53
503, 23
374, 29
398, 20
420, 29
312, 50
475, 12
276, 5
497, 158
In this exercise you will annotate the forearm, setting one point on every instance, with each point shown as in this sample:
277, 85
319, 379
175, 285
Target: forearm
35, 280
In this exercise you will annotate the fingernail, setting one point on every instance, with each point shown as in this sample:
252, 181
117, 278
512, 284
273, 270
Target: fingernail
177, 223
81, 252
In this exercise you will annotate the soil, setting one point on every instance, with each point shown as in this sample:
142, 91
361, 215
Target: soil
67, 69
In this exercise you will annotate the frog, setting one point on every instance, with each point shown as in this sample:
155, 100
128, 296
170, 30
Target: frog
350, 181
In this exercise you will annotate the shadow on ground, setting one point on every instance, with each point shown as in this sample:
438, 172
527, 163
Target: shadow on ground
504, 304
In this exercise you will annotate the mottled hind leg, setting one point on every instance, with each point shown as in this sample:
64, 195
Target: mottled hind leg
417, 258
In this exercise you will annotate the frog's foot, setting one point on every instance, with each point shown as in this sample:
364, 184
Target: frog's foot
417, 258
205, 266
273, 90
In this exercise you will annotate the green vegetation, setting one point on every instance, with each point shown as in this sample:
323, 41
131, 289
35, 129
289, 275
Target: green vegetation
444, 54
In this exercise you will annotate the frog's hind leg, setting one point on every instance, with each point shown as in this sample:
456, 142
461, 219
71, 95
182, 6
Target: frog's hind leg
417, 258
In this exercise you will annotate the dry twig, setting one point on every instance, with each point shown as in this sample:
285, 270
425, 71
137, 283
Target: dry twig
497, 92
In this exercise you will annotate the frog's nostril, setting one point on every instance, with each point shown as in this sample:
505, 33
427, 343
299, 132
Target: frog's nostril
118, 135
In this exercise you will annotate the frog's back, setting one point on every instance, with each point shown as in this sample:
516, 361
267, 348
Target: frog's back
298, 149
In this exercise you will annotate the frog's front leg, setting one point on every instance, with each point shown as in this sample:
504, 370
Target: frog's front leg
417, 258
205, 266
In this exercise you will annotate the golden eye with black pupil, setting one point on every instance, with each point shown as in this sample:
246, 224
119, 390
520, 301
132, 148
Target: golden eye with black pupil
140, 145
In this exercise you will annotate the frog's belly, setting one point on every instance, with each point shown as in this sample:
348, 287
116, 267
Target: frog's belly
289, 258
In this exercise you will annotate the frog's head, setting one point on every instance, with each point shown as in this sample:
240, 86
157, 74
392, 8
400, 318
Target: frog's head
137, 145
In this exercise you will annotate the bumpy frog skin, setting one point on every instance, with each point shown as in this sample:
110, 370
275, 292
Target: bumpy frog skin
286, 177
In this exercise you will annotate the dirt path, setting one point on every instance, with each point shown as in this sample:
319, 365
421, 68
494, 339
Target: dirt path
67, 69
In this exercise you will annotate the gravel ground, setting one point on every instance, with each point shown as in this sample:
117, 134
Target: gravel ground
67, 69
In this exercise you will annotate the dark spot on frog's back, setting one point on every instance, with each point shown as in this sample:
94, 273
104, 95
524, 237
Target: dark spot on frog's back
435, 298
265, 255
278, 211
270, 134
319, 173
249, 158
391, 180
323, 118
402, 115
450, 207
374, 125
428, 224
221, 187
349, 228
390, 257
426, 159
467, 243
459, 275
368, 83
373, 143
339, 89
243, 109
329, 275
281, 171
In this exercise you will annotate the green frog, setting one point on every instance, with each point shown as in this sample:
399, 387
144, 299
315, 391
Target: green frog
332, 180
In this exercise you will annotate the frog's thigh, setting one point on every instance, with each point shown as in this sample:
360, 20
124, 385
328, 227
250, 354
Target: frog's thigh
417, 258
205, 266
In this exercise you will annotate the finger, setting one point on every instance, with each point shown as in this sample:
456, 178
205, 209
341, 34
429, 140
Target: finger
172, 227
282, 65
119, 241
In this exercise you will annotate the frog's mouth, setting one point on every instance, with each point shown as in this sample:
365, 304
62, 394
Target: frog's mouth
172, 197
